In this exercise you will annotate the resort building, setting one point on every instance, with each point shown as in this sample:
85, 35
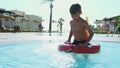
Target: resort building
107, 24
19, 21
6, 18
34, 23
99, 24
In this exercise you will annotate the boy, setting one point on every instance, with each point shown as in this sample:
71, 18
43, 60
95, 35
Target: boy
79, 27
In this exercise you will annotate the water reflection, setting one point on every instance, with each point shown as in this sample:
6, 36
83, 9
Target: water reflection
80, 60
55, 34
50, 34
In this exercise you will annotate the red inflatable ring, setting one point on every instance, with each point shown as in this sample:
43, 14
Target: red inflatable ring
90, 49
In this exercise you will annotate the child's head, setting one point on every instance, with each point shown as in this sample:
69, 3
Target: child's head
75, 11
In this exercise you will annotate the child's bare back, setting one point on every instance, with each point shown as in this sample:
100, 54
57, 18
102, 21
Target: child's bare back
78, 29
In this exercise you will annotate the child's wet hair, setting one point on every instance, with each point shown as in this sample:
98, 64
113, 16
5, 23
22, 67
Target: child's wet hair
75, 8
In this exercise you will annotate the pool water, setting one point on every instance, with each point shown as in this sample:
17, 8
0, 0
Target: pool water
43, 53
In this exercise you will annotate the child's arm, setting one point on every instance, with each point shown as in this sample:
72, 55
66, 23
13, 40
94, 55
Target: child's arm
70, 35
90, 33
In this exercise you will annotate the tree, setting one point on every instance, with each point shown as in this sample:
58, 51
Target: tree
117, 18
50, 21
117, 24
91, 26
60, 23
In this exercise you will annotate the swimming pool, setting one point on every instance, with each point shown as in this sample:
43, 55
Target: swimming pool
43, 53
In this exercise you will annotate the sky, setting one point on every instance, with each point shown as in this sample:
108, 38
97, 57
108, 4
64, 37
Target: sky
93, 9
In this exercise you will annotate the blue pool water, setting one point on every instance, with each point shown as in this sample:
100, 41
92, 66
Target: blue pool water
43, 53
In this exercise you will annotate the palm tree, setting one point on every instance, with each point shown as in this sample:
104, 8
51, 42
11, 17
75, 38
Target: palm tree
50, 21
117, 24
60, 23
92, 26
117, 18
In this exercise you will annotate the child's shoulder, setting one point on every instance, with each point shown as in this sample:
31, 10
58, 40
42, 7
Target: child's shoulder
71, 21
83, 20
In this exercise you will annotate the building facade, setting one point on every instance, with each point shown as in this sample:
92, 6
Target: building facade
25, 22
107, 24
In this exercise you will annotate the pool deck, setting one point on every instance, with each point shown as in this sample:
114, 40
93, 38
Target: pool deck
107, 38
8, 37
